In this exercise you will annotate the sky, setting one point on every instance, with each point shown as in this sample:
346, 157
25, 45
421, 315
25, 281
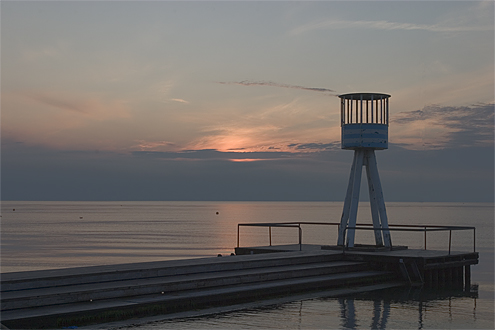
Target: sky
130, 100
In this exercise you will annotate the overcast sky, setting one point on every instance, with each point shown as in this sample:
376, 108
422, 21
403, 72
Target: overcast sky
238, 100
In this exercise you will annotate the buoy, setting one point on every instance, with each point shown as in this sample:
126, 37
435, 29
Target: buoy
13, 209
217, 212
219, 255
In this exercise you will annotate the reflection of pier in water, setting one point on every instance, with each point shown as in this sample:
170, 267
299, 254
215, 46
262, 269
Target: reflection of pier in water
425, 298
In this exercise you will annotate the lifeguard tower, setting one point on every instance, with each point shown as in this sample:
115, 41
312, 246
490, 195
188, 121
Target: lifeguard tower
364, 121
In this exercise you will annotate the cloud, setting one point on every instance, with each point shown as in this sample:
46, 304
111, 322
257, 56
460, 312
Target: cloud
316, 146
58, 102
273, 129
234, 137
180, 101
461, 88
386, 25
39, 173
274, 84
94, 106
437, 126
212, 155
154, 145
62, 119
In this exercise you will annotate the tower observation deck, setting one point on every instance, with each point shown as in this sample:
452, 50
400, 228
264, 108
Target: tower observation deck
364, 122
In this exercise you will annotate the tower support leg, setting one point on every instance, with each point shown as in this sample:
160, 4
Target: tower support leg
347, 203
373, 202
349, 215
377, 187
367, 158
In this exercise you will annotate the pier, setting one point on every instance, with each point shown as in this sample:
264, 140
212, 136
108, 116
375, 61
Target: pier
99, 294
90, 295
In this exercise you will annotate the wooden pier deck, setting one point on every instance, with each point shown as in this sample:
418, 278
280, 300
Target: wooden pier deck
432, 268
91, 295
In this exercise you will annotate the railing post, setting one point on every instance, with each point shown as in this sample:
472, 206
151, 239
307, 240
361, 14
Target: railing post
238, 225
425, 237
300, 237
474, 239
450, 239
270, 233
343, 242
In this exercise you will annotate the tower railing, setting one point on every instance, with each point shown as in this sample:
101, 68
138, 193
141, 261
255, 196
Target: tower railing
364, 108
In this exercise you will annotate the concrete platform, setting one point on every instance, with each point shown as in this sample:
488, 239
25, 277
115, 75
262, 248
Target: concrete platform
100, 294
91, 295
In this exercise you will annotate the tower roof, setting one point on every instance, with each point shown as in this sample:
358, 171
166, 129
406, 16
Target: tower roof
365, 96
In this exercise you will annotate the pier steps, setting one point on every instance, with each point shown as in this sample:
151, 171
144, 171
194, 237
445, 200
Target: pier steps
128, 288
98, 294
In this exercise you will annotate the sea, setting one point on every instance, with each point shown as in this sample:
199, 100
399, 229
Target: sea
50, 235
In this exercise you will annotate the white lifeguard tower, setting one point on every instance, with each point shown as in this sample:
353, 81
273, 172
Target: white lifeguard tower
364, 122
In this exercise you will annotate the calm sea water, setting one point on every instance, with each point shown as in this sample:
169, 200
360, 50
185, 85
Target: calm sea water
46, 235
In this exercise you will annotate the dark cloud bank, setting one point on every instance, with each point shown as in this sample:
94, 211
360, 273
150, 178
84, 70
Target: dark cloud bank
461, 172
463, 175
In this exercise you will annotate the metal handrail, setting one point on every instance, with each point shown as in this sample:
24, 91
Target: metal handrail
293, 224
392, 227
425, 229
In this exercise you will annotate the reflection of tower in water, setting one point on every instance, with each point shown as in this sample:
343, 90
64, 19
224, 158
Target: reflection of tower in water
347, 313
381, 311
389, 306
364, 121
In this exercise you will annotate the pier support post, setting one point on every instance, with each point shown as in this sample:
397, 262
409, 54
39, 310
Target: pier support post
442, 278
428, 278
467, 278
460, 274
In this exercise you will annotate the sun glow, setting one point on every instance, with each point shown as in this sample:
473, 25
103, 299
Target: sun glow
245, 160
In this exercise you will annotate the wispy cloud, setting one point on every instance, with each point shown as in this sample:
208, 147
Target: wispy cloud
60, 119
180, 101
386, 25
316, 146
94, 106
144, 145
58, 102
235, 137
269, 129
274, 84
